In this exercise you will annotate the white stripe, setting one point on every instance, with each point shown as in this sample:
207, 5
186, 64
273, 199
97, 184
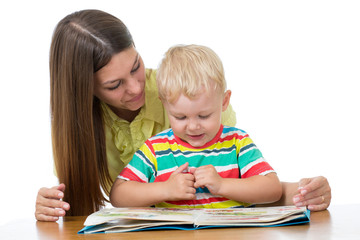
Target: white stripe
267, 172
166, 171
144, 160
217, 168
163, 136
201, 196
212, 153
180, 153
137, 173
170, 153
226, 168
247, 150
235, 131
250, 165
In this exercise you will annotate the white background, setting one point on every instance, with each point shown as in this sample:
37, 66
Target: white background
293, 68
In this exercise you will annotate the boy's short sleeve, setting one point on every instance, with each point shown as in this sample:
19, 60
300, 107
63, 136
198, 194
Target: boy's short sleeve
228, 117
250, 159
142, 167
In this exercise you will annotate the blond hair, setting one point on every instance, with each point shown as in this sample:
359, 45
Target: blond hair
188, 69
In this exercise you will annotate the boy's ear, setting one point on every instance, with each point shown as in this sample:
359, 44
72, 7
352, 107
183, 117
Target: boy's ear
226, 100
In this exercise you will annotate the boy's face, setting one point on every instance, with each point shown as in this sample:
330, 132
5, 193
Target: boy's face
197, 121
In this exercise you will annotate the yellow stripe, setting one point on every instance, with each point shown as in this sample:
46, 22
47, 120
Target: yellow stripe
225, 204
147, 152
241, 143
174, 147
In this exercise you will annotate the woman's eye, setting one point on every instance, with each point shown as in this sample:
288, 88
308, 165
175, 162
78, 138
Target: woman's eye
116, 86
136, 68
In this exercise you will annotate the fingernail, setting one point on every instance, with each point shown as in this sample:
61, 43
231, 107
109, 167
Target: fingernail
61, 195
296, 199
299, 204
61, 212
303, 192
65, 206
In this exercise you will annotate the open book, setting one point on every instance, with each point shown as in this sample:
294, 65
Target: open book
135, 219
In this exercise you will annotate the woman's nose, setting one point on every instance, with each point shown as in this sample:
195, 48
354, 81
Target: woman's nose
134, 86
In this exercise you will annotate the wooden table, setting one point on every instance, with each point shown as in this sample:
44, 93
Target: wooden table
338, 222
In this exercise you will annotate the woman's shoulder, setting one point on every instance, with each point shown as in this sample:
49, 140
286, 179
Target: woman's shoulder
151, 80
150, 74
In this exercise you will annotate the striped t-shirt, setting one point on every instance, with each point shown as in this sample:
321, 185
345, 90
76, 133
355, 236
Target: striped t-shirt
231, 152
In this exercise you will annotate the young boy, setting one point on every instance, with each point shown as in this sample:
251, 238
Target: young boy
198, 162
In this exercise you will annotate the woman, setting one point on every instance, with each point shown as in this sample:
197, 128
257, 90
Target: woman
104, 105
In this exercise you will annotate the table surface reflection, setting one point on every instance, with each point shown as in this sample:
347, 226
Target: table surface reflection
338, 222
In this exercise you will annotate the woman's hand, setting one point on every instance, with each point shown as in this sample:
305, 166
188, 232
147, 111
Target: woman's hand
315, 193
49, 206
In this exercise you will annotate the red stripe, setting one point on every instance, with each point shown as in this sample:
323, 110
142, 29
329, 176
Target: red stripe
232, 173
199, 202
257, 169
163, 177
127, 173
233, 136
162, 140
150, 146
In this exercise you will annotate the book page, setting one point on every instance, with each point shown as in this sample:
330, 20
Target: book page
130, 219
153, 214
246, 215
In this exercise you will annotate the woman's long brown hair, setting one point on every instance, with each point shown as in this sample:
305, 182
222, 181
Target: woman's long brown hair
82, 43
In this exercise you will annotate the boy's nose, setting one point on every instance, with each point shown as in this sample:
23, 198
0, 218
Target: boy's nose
193, 124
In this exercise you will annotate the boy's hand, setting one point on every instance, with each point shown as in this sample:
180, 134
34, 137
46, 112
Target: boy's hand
180, 185
207, 176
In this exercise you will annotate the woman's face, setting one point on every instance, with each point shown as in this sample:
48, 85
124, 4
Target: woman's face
121, 82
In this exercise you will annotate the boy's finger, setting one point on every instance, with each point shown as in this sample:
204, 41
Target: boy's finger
192, 170
182, 168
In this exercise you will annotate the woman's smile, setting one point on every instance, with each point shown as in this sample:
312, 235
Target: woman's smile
136, 98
